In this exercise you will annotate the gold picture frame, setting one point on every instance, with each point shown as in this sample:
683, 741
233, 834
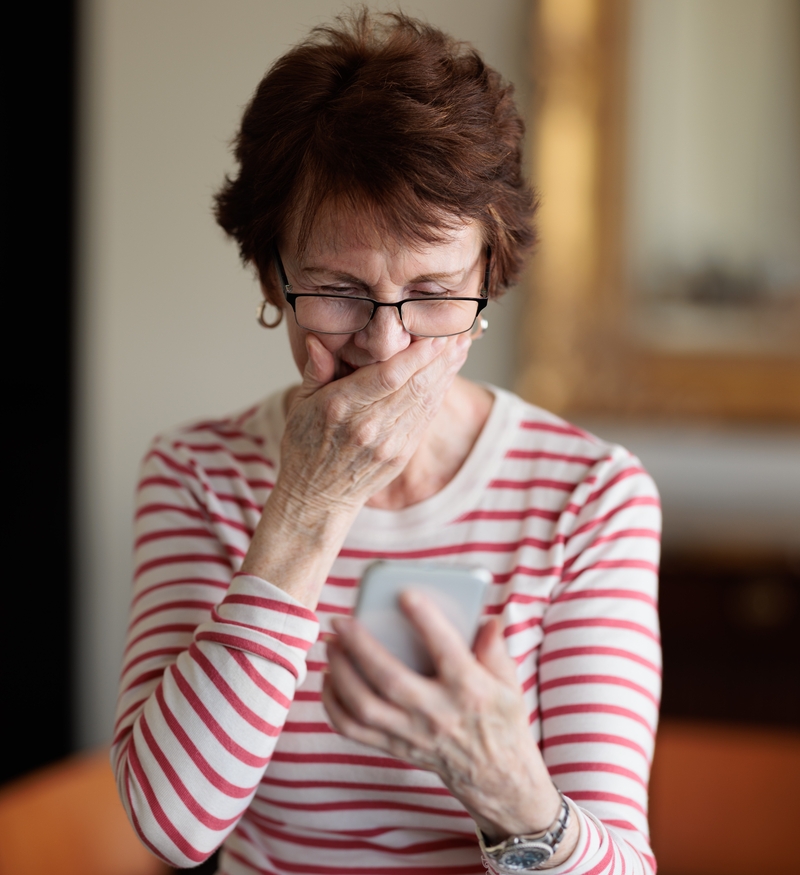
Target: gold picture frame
580, 355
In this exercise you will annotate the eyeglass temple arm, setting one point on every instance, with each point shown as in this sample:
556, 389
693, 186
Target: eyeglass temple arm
281, 270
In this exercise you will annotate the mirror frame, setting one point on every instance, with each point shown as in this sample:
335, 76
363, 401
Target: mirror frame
578, 352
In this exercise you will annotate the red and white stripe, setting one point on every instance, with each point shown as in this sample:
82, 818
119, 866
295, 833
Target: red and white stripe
221, 735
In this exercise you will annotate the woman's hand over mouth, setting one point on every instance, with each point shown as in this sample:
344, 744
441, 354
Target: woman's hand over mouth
347, 438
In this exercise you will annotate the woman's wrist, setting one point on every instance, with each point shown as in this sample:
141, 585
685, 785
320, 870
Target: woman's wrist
296, 543
532, 810
567, 845
562, 833
527, 812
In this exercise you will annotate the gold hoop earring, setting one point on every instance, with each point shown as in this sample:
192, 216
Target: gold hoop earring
260, 312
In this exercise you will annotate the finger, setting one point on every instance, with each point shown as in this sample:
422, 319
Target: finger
319, 370
394, 681
346, 725
491, 652
356, 697
450, 653
404, 407
451, 356
435, 378
392, 375
437, 354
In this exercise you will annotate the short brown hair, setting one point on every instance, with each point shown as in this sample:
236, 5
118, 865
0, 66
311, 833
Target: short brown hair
391, 116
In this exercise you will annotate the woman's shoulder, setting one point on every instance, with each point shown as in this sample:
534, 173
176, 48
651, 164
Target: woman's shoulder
554, 446
546, 431
243, 438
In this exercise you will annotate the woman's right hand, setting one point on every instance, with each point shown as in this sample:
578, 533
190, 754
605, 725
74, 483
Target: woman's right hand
344, 441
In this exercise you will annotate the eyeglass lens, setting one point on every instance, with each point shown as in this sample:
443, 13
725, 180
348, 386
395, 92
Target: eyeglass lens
338, 315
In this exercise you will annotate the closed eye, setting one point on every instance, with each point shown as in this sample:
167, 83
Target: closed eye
431, 293
340, 290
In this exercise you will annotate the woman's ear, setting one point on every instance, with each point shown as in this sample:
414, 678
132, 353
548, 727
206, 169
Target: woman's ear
267, 276
270, 310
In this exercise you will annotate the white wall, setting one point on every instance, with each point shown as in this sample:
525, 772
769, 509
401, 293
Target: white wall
166, 328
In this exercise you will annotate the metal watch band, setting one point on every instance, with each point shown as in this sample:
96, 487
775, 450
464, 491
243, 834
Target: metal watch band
527, 853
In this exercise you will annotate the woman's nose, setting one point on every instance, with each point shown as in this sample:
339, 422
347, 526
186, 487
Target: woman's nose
384, 336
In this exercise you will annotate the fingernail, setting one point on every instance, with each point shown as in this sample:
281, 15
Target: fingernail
438, 342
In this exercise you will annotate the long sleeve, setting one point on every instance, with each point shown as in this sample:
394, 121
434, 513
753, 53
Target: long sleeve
212, 661
600, 667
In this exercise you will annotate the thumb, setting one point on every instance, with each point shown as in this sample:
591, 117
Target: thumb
491, 652
319, 370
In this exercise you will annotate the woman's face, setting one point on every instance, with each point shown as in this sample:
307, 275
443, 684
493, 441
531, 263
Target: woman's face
342, 261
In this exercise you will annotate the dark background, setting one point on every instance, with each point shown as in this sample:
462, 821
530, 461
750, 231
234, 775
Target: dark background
37, 328
730, 626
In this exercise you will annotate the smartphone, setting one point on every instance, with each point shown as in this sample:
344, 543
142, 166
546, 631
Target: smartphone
458, 590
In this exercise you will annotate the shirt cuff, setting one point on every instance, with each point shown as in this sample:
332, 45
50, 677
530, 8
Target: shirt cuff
261, 619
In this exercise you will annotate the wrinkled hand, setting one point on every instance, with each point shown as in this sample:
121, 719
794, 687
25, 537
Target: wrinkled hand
468, 723
346, 439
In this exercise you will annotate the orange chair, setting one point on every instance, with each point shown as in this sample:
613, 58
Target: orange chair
725, 800
66, 819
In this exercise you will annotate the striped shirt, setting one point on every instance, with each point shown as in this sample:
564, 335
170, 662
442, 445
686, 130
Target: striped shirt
221, 734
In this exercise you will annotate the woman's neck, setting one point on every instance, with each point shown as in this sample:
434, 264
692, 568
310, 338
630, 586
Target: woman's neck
443, 450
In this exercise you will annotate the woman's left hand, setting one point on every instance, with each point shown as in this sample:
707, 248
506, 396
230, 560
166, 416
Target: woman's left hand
468, 723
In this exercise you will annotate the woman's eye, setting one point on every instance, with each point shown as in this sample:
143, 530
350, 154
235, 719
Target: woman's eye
429, 293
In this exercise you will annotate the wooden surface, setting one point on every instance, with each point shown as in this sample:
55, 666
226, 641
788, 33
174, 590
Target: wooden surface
725, 801
67, 820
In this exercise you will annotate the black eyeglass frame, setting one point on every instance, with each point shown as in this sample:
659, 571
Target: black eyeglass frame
291, 298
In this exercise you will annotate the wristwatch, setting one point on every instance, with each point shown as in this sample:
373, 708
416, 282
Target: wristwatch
526, 853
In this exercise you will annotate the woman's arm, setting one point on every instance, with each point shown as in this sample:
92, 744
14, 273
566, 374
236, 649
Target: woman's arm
213, 658
600, 666
469, 723
344, 441
599, 683
211, 663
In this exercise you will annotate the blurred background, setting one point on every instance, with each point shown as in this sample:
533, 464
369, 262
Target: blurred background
662, 311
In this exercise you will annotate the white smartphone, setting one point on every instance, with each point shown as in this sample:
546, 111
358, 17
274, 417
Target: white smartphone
458, 590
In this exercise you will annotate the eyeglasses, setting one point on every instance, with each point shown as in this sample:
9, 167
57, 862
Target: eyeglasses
346, 314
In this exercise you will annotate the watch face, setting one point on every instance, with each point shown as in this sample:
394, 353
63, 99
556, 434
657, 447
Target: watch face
525, 856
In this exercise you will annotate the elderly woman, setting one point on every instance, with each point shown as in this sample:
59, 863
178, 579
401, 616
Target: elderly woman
380, 199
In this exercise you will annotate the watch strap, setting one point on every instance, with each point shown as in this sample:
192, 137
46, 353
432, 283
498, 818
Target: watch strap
542, 844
